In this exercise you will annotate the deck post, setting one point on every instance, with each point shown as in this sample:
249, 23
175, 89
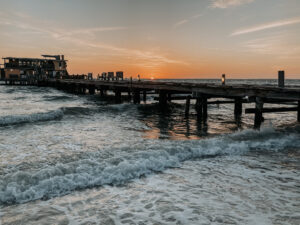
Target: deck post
162, 98
136, 96
298, 111
144, 96
238, 107
258, 112
187, 105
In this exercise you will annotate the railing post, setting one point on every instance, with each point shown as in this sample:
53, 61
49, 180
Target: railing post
281, 79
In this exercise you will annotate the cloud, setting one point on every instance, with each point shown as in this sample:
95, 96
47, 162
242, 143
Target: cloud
266, 26
180, 23
224, 4
184, 21
280, 45
75, 36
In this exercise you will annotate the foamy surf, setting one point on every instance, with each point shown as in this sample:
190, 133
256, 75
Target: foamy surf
61, 179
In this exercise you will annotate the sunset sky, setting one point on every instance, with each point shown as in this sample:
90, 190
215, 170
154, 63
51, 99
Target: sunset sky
158, 38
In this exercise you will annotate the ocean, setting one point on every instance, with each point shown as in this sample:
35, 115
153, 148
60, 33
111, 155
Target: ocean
82, 159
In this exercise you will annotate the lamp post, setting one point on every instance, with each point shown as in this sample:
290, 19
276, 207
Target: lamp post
223, 79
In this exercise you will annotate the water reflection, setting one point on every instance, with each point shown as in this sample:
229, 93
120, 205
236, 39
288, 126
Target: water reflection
171, 123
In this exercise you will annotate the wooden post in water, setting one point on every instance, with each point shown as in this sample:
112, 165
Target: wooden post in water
129, 95
169, 97
298, 111
258, 112
91, 90
187, 105
162, 98
281, 79
238, 107
102, 92
117, 96
144, 96
136, 96
199, 107
204, 108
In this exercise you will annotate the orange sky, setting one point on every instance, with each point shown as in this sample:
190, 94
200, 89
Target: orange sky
160, 39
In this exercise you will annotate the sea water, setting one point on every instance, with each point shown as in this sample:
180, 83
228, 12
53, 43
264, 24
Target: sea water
80, 159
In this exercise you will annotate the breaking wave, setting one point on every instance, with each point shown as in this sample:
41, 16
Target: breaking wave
45, 116
58, 98
30, 118
61, 179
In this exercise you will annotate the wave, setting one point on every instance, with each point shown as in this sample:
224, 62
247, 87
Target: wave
30, 118
91, 171
57, 98
45, 116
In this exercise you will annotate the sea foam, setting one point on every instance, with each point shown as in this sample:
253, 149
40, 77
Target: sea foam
61, 179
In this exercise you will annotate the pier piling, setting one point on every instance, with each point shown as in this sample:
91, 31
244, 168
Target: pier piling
144, 96
187, 105
238, 107
162, 98
136, 96
298, 116
118, 96
259, 104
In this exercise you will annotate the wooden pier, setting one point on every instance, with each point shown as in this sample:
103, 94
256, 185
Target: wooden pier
204, 94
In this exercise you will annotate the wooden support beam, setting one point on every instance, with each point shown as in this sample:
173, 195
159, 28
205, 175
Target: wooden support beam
273, 109
204, 108
92, 90
169, 97
102, 92
117, 96
144, 96
187, 105
258, 113
162, 98
238, 107
136, 96
129, 95
298, 116
199, 108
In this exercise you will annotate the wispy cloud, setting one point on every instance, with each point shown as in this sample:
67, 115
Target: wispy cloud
266, 26
181, 22
223, 4
184, 21
280, 45
75, 36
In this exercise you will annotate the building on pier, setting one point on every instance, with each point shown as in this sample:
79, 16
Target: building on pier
26, 69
